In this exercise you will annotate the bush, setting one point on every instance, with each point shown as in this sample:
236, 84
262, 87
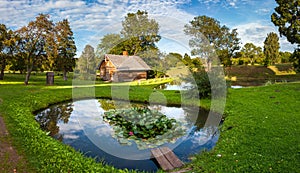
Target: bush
207, 82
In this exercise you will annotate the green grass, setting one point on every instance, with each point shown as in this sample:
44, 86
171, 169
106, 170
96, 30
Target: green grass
260, 134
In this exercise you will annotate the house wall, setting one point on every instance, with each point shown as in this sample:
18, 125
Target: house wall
107, 70
126, 76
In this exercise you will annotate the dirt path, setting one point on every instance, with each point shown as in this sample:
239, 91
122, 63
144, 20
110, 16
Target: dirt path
10, 160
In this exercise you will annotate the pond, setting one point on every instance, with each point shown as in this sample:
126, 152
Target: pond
175, 86
83, 125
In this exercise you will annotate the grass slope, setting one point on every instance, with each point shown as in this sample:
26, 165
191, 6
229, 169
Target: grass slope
260, 134
259, 75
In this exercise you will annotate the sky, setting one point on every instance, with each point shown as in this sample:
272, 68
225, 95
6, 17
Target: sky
90, 20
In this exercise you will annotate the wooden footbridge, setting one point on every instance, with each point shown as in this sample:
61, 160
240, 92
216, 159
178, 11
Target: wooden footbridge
166, 158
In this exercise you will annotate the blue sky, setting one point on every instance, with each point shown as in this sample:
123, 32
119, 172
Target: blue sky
90, 20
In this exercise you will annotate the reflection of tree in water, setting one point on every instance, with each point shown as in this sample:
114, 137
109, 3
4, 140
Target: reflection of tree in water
113, 104
107, 104
49, 118
196, 116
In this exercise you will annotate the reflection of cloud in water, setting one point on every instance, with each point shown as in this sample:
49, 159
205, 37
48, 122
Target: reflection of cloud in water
71, 136
104, 130
171, 112
200, 137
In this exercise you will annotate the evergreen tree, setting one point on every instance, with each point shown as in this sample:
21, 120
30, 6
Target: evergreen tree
66, 48
271, 49
87, 64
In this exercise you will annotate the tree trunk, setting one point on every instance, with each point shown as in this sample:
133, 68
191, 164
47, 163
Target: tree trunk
65, 74
2, 74
29, 69
2, 70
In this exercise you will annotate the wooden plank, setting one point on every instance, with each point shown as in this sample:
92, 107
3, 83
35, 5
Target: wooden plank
171, 157
161, 159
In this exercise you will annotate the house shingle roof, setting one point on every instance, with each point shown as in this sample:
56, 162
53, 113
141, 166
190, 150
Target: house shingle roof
128, 63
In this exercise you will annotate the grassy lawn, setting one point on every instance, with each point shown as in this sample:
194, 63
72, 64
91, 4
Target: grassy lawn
260, 134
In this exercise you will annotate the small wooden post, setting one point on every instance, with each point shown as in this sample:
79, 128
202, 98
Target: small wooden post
50, 78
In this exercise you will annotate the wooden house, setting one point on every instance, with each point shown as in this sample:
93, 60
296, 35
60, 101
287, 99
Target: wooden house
119, 68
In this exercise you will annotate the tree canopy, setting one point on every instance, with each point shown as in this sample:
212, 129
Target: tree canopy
271, 49
287, 18
34, 40
87, 64
208, 35
66, 48
139, 33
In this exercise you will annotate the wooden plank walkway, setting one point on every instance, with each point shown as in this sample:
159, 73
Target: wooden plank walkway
166, 158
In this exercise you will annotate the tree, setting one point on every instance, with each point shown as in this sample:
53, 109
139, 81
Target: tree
109, 44
8, 41
87, 63
140, 32
66, 48
34, 39
208, 35
285, 57
251, 51
287, 18
3, 55
271, 49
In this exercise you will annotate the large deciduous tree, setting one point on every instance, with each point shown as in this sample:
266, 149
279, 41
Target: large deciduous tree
287, 18
34, 40
251, 51
271, 49
109, 45
139, 32
65, 47
208, 37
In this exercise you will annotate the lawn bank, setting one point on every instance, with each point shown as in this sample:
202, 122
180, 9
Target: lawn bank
260, 133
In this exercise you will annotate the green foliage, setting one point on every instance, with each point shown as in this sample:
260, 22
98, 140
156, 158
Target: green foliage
7, 48
207, 34
286, 17
139, 34
271, 49
145, 127
252, 52
109, 44
66, 48
295, 58
34, 40
285, 57
87, 64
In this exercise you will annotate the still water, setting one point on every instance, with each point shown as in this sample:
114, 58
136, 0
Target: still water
80, 124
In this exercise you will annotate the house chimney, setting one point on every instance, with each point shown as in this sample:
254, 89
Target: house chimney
125, 53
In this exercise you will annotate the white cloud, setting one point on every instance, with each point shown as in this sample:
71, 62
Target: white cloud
256, 33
